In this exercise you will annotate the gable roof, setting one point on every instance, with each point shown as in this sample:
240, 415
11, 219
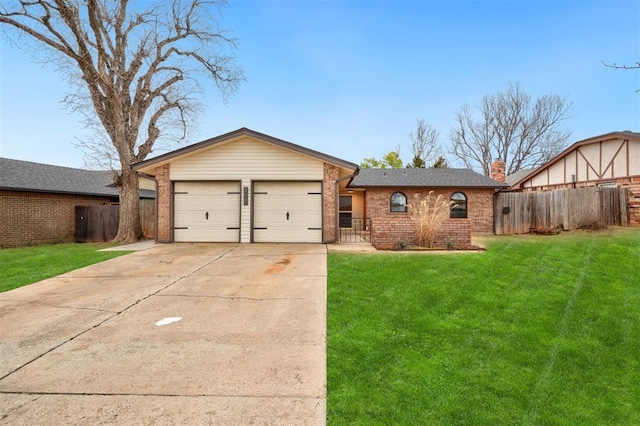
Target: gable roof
227, 137
18, 175
431, 178
625, 134
517, 176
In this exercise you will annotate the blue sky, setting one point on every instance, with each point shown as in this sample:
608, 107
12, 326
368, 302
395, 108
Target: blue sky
350, 78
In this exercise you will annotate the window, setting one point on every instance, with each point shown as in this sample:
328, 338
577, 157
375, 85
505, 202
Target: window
398, 202
607, 185
346, 209
459, 207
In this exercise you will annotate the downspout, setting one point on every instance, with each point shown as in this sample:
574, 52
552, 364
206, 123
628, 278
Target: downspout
155, 225
337, 205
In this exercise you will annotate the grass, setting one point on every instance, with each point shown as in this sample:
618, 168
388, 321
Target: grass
26, 265
538, 330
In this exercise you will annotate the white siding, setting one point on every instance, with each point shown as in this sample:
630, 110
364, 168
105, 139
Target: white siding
245, 212
608, 152
620, 164
540, 179
570, 162
634, 158
247, 158
144, 183
556, 173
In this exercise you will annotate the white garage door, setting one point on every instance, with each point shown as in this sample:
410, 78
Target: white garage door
206, 212
287, 212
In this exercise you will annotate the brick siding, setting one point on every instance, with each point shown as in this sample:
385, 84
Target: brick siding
631, 182
331, 174
32, 218
164, 203
388, 228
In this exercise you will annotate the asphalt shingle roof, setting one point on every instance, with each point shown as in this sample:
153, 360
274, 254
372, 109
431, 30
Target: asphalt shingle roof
28, 176
432, 178
514, 178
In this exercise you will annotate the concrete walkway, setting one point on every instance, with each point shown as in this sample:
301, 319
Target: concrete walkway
244, 340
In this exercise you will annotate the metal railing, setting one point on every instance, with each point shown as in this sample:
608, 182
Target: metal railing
355, 230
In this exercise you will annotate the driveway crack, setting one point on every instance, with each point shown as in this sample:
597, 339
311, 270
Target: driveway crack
51, 305
256, 299
34, 398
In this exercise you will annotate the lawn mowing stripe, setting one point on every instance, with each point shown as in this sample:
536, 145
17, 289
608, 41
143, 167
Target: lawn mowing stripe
540, 393
473, 339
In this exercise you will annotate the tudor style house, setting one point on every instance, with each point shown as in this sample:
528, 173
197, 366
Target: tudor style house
246, 186
609, 160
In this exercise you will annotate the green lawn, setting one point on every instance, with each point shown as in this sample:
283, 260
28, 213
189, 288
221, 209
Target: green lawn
538, 330
26, 265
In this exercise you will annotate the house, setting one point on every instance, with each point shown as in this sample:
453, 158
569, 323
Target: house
37, 201
387, 195
609, 160
246, 186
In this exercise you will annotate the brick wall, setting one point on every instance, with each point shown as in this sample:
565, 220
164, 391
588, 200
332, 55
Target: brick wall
479, 203
388, 228
32, 218
388, 232
164, 203
631, 182
331, 174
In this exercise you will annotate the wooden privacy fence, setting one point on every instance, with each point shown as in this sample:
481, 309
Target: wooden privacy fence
100, 223
521, 212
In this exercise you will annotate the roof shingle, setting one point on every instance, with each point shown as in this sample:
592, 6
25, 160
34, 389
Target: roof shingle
432, 178
21, 175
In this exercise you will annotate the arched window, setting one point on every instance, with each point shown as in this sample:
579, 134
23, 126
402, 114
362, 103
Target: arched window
398, 202
459, 207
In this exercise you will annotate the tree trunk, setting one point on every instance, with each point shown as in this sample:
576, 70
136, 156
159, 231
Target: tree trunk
129, 227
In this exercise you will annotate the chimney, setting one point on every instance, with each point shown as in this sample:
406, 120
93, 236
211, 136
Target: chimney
498, 171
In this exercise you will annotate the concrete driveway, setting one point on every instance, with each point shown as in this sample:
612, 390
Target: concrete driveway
84, 347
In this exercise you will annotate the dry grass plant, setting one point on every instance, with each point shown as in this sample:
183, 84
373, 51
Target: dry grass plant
428, 215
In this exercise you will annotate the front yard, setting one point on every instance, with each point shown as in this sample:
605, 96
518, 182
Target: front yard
26, 265
537, 330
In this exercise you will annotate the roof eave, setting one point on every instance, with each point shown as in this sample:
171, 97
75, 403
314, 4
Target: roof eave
428, 186
53, 191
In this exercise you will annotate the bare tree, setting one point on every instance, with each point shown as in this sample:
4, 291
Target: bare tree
513, 128
615, 66
134, 67
424, 144
622, 67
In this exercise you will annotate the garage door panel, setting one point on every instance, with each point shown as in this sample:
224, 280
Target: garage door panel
303, 203
207, 211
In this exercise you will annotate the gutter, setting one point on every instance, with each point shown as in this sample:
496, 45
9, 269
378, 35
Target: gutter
337, 205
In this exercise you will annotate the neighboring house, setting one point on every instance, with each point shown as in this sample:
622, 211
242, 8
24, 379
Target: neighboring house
386, 196
513, 178
611, 160
246, 186
37, 201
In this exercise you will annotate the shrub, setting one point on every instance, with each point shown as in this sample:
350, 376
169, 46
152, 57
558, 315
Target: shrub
428, 216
